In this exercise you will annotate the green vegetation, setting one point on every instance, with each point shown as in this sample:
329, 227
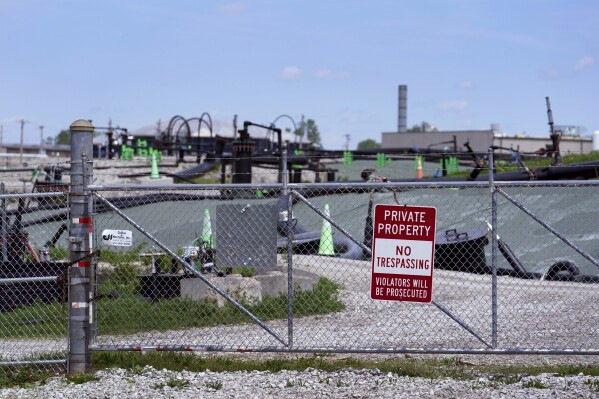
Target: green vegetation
130, 313
432, 369
541, 162
41, 320
566, 159
81, 378
173, 383
368, 144
534, 383
63, 137
27, 375
425, 368
121, 310
312, 132
592, 384
216, 385
204, 180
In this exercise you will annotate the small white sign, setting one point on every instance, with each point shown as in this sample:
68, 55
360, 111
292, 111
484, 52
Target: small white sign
117, 238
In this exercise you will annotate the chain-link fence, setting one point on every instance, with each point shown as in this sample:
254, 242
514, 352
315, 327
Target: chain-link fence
289, 268
33, 279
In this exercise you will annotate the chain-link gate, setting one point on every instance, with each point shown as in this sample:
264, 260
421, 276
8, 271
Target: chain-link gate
247, 267
33, 279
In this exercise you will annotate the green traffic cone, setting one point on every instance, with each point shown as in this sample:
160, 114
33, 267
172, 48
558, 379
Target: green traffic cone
154, 172
325, 246
207, 229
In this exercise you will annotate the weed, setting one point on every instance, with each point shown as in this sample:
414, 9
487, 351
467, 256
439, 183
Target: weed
341, 383
592, 384
136, 369
177, 383
289, 384
326, 380
506, 379
216, 385
244, 271
81, 378
534, 383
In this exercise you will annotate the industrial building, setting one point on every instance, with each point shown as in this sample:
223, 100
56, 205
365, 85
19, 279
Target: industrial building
479, 140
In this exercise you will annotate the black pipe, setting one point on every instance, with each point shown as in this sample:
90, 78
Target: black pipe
52, 242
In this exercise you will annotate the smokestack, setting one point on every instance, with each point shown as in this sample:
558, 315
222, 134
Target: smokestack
402, 120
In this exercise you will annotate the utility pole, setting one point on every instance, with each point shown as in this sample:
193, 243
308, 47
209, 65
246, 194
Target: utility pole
304, 128
347, 137
21, 147
41, 139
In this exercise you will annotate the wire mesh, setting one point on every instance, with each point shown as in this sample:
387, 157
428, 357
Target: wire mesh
153, 293
33, 280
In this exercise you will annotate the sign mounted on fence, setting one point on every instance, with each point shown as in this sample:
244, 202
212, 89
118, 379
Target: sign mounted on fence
117, 238
403, 253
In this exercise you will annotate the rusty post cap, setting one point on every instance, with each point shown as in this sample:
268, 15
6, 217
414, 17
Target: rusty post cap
81, 125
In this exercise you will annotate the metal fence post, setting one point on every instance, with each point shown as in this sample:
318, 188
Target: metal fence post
80, 270
289, 233
493, 251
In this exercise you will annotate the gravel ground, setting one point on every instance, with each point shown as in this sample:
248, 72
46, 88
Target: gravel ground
348, 383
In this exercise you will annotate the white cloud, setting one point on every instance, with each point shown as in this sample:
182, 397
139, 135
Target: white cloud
467, 84
328, 74
291, 73
453, 106
231, 8
583, 63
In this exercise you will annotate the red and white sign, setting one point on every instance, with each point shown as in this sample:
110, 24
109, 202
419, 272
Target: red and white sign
403, 253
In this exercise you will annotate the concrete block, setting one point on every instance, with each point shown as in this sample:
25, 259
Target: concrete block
239, 288
249, 289
273, 283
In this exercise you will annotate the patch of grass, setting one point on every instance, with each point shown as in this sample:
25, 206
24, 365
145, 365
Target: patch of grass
425, 368
31, 374
177, 383
59, 253
534, 383
430, 369
81, 378
592, 384
47, 320
130, 313
244, 271
540, 162
506, 379
23, 376
204, 180
341, 383
216, 385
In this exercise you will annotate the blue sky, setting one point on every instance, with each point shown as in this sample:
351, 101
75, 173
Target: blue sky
467, 63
